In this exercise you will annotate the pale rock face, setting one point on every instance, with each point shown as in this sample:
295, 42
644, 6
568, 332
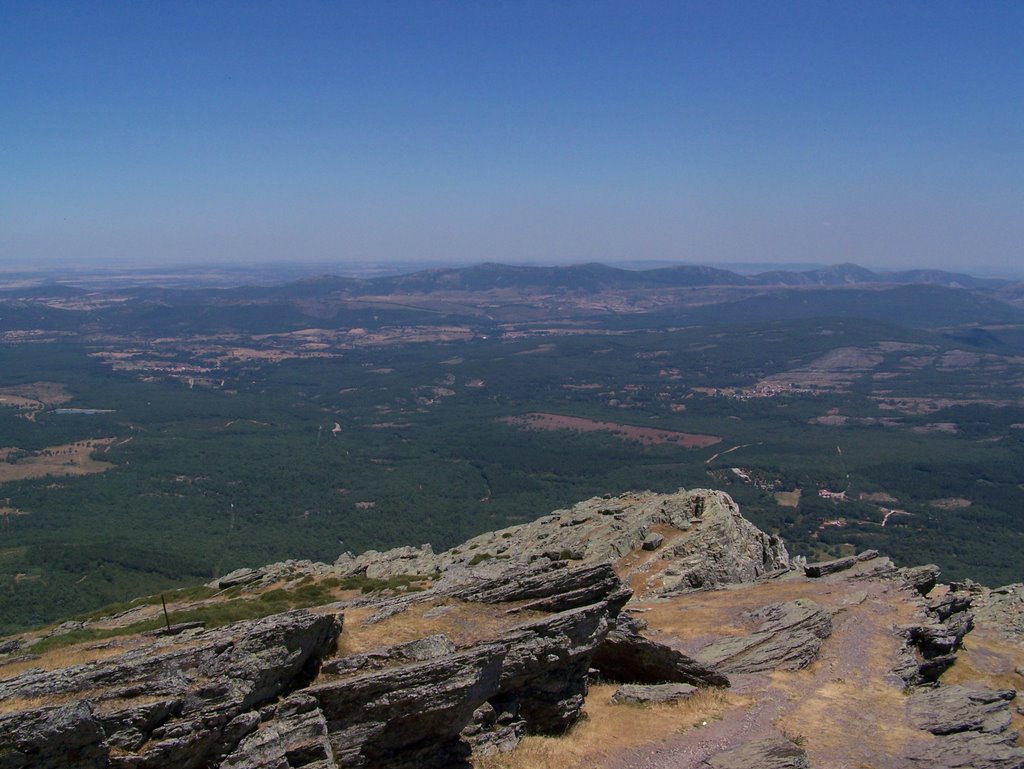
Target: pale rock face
697, 539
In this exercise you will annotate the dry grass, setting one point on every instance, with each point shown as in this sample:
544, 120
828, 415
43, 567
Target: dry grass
102, 705
461, 622
842, 702
66, 459
700, 617
607, 729
18, 704
863, 720
62, 657
788, 498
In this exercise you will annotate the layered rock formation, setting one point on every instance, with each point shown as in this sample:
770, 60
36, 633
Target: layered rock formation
669, 594
260, 694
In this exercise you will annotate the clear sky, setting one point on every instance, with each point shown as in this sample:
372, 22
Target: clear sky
888, 134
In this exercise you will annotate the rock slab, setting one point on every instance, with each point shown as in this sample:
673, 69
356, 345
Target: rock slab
769, 753
652, 694
789, 637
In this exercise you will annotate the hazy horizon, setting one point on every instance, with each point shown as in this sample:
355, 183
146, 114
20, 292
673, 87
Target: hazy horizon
273, 272
158, 134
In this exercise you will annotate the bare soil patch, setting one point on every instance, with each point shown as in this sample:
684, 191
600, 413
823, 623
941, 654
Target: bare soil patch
788, 498
935, 427
34, 397
645, 435
880, 497
951, 503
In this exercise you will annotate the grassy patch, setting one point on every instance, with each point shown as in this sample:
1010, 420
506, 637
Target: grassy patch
606, 728
213, 614
406, 582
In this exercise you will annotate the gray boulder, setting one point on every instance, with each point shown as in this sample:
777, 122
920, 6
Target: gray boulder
652, 541
652, 694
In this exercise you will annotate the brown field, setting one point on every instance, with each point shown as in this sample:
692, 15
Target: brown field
646, 435
67, 459
34, 397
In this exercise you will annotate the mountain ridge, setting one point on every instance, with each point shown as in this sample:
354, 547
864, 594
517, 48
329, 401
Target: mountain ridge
587, 276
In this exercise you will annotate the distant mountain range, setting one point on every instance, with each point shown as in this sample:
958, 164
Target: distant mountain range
589, 277
597, 277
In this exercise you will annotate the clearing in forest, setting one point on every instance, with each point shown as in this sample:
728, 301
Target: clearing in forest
645, 435
66, 459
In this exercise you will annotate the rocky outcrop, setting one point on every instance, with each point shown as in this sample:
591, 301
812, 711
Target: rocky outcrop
931, 647
261, 693
293, 733
769, 753
695, 539
788, 638
269, 574
921, 578
421, 704
1002, 607
499, 637
548, 587
951, 709
186, 706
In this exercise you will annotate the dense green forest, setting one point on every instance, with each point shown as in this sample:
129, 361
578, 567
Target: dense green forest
375, 446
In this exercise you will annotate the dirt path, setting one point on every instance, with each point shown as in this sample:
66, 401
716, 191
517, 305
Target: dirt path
846, 710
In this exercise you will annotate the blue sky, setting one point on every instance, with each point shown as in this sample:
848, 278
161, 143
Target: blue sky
889, 134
